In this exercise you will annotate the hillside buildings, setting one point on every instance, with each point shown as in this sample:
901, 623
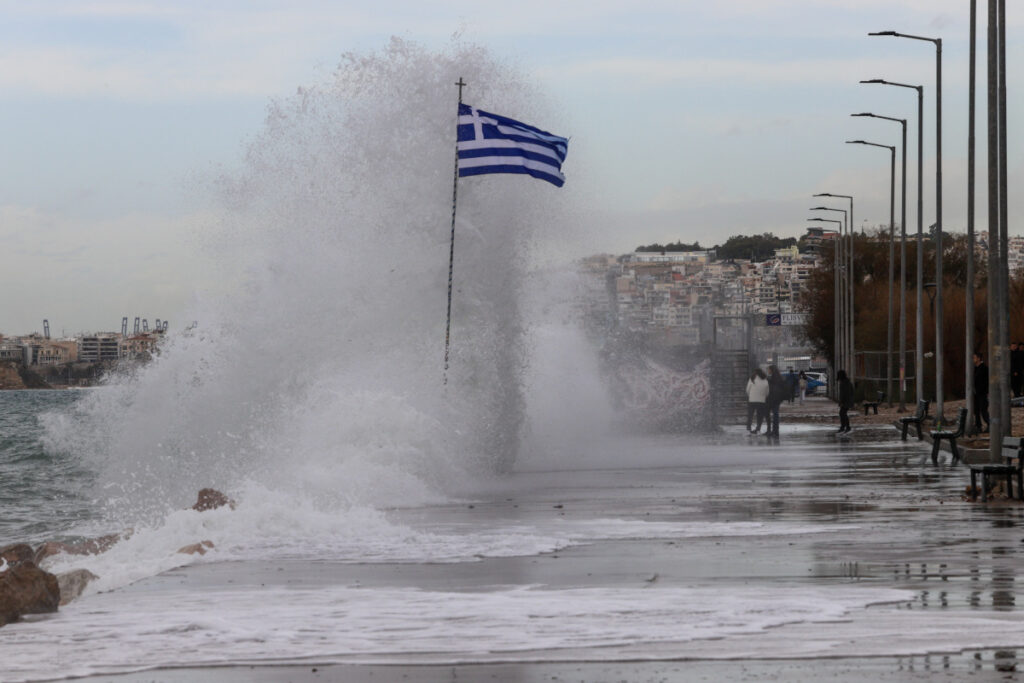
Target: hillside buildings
38, 350
676, 295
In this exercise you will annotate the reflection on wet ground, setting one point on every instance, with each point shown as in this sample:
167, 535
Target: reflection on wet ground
915, 529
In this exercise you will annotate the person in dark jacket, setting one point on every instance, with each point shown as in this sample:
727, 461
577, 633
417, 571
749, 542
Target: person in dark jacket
980, 392
845, 400
1016, 368
777, 393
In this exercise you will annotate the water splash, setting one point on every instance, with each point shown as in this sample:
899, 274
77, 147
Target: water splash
321, 375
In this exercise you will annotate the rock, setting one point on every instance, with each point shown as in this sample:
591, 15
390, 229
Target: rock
211, 499
27, 589
196, 548
17, 553
92, 546
72, 584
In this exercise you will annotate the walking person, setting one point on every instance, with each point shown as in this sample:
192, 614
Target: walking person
980, 393
845, 400
757, 396
802, 383
777, 392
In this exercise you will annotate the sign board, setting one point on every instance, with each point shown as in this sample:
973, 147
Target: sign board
779, 319
795, 318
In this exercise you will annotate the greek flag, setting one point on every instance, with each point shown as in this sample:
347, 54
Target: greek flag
489, 143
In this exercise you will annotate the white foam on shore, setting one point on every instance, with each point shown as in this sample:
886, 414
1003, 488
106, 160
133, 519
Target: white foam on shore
278, 528
136, 630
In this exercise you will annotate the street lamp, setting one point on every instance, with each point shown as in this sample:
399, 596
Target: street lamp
842, 307
850, 309
903, 262
919, 315
837, 317
892, 220
938, 208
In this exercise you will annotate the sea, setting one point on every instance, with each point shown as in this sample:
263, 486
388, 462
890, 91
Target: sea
389, 509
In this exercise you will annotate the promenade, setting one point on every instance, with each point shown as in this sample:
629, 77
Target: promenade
811, 557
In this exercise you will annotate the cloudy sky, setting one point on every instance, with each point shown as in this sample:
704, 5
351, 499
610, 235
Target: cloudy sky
690, 120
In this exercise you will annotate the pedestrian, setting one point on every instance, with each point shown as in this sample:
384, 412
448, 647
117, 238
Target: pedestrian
802, 383
1017, 368
777, 391
791, 384
845, 387
757, 396
980, 393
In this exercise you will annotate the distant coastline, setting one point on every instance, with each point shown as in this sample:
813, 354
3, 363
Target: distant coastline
16, 376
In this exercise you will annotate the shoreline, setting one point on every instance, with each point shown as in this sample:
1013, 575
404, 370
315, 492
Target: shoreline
856, 515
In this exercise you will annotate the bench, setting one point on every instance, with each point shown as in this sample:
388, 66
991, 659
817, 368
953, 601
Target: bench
874, 404
939, 435
916, 419
1013, 450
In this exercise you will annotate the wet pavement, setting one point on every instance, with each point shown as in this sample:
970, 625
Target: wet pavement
888, 518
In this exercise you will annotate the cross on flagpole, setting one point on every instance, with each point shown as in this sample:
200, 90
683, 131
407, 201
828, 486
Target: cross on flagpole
451, 249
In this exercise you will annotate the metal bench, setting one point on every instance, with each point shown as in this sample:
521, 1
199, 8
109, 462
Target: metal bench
916, 419
939, 435
874, 404
1013, 450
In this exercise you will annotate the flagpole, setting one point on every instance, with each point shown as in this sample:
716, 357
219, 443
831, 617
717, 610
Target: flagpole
451, 248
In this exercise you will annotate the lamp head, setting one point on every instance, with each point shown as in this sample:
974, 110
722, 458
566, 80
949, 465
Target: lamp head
875, 80
884, 33
856, 142
862, 114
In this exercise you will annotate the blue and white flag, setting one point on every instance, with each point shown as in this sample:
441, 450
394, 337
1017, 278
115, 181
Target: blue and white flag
489, 143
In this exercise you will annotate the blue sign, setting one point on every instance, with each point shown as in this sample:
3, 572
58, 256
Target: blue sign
773, 319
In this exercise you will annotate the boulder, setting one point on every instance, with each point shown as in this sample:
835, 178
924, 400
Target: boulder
91, 546
72, 584
211, 499
27, 589
17, 553
196, 548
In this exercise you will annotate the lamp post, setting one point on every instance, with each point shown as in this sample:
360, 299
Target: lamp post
929, 287
837, 317
919, 315
842, 305
938, 212
850, 309
892, 220
903, 262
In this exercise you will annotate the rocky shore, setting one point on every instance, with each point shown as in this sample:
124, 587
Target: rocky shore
27, 588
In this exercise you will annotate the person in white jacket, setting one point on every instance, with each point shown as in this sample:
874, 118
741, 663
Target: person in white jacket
757, 399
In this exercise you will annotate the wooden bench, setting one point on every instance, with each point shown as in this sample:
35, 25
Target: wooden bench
916, 419
874, 404
939, 435
1013, 450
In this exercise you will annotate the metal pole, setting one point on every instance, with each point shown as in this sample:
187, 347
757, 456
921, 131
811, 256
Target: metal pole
1004, 250
939, 355
995, 368
892, 272
903, 273
851, 371
919, 332
938, 220
451, 248
969, 294
836, 316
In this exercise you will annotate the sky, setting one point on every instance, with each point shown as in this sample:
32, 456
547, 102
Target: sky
690, 120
